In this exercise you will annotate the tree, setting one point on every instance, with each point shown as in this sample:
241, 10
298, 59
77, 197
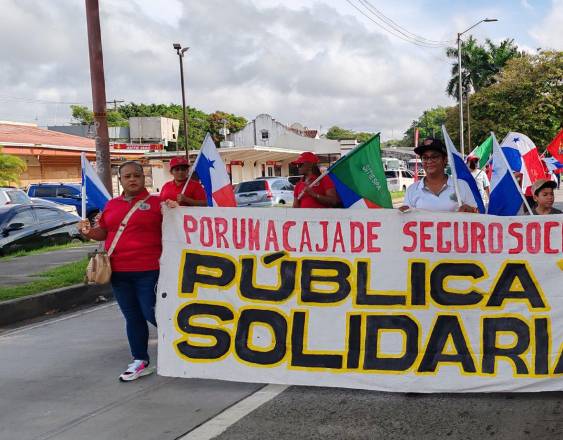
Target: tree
82, 114
480, 64
527, 97
233, 123
429, 124
337, 133
11, 168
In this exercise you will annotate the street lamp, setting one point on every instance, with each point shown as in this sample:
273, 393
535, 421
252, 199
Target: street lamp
460, 91
181, 51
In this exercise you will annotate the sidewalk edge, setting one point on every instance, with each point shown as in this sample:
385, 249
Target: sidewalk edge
58, 300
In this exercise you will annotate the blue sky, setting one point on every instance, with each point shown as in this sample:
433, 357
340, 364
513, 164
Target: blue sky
317, 62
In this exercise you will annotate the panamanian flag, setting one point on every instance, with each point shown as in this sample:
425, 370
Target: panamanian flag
92, 187
213, 175
522, 156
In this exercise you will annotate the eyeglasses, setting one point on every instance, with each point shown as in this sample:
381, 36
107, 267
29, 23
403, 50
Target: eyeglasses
181, 168
433, 158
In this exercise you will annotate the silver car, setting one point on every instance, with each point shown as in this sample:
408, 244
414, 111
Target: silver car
264, 192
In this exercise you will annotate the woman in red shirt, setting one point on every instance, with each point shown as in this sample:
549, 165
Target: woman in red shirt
194, 195
320, 195
134, 261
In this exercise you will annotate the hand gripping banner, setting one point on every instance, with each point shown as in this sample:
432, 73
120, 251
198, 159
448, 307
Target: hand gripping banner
417, 302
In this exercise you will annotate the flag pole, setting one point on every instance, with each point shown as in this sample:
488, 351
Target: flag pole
83, 189
452, 166
192, 168
512, 173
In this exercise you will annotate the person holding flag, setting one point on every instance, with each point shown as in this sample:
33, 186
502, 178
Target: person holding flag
131, 227
436, 191
176, 190
312, 192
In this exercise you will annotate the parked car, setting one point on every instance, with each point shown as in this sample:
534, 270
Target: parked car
11, 196
399, 180
65, 193
71, 209
294, 179
264, 192
28, 226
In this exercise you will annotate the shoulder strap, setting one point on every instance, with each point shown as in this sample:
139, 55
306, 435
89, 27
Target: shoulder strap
124, 223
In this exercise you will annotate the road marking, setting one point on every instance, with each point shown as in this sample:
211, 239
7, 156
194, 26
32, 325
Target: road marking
219, 424
53, 321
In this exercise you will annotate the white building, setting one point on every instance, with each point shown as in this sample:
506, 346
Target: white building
266, 147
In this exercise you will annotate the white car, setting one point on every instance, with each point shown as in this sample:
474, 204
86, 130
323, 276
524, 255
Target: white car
13, 196
399, 180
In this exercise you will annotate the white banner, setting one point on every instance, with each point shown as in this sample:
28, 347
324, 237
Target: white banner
372, 299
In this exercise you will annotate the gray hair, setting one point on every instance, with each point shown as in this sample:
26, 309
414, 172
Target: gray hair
134, 163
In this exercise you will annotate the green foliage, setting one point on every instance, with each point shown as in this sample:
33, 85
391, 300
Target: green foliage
527, 98
233, 123
11, 168
199, 122
66, 275
82, 114
337, 133
429, 125
480, 64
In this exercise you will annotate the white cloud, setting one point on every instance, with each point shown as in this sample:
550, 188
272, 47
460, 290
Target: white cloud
319, 63
548, 32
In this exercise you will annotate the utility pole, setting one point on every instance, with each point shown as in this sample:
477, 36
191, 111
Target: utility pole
114, 102
103, 161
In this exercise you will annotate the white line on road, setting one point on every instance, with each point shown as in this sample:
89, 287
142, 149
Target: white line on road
219, 424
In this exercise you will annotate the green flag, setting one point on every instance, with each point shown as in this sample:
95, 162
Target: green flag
483, 151
359, 177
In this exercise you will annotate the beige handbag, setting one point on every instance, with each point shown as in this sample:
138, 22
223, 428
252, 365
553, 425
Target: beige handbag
98, 270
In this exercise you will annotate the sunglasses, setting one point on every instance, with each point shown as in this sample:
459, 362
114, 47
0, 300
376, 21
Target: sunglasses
181, 168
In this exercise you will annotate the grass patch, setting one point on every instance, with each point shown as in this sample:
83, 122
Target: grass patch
43, 250
66, 275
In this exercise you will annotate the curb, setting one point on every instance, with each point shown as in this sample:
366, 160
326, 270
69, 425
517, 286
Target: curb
58, 300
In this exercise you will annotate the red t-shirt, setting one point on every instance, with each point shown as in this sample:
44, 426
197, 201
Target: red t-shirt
171, 189
140, 245
320, 187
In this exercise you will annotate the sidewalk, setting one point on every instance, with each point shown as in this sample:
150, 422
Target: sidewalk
22, 270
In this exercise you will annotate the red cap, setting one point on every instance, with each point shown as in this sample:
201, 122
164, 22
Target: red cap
177, 161
307, 156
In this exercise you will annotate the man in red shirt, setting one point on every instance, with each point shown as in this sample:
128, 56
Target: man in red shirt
320, 195
194, 195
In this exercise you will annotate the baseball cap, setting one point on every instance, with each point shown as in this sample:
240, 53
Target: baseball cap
307, 156
431, 144
542, 183
177, 161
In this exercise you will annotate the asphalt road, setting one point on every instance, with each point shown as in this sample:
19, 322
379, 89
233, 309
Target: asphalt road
21, 270
58, 380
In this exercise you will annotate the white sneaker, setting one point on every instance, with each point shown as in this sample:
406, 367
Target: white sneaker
136, 369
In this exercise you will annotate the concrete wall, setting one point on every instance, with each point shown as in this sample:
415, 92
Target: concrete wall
155, 129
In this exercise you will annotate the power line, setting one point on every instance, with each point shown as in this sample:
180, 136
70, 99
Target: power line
36, 101
391, 30
367, 4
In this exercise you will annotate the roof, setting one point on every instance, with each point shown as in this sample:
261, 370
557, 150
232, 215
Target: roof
18, 134
19, 138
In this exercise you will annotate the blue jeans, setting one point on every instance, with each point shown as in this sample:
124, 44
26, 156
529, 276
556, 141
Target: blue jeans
135, 293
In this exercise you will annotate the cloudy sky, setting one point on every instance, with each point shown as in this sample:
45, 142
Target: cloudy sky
318, 62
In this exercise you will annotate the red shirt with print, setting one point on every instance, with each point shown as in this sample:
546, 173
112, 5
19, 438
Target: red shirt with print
140, 245
171, 189
320, 187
